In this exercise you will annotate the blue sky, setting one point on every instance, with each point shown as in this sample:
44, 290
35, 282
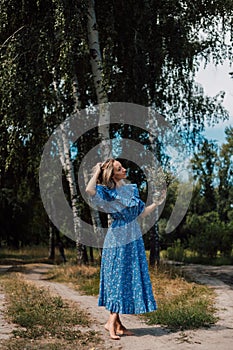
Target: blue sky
215, 79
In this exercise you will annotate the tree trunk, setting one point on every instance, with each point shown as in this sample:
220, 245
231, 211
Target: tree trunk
51, 242
154, 236
102, 98
96, 222
95, 217
70, 176
64, 150
91, 255
98, 76
60, 245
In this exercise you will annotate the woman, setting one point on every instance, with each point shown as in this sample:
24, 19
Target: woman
125, 286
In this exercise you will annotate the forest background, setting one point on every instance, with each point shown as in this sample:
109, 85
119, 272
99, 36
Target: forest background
60, 57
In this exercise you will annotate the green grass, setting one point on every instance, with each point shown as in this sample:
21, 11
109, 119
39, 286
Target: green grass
37, 254
218, 261
177, 253
187, 311
181, 304
84, 278
23, 255
45, 320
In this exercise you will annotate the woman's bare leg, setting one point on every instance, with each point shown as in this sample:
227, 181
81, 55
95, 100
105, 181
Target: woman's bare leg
118, 326
111, 325
120, 329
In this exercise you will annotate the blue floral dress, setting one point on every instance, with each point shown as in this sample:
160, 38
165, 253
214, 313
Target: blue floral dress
125, 285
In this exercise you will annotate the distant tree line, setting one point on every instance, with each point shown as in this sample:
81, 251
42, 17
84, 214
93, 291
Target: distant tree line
207, 228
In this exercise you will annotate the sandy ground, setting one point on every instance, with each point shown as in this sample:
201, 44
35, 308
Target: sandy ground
218, 337
5, 327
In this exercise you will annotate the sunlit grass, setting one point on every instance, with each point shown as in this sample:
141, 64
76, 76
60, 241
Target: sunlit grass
178, 253
181, 304
35, 254
24, 255
43, 319
83, 278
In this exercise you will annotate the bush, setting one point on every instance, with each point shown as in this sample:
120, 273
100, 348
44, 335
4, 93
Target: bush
210, 235
176, 252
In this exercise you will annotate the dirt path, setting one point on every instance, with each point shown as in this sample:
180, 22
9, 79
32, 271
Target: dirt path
218, 337
5, 327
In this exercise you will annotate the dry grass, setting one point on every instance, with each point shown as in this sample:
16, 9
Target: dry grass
83, 278
45, 321
181, 304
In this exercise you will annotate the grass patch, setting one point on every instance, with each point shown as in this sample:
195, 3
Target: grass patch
181, 304
178, 253
83, 278
218, 261
45, 320
24, 255
34, 254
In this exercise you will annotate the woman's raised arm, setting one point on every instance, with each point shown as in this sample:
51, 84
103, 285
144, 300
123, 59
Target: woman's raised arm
91, 186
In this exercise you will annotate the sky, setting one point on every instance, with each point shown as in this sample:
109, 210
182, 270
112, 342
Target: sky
215, 79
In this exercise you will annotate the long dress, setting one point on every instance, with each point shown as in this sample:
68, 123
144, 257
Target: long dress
125, 285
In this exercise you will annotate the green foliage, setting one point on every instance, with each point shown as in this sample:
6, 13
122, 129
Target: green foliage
225, 174
150, 57
209, 235
204, 169
176, 252
208, 225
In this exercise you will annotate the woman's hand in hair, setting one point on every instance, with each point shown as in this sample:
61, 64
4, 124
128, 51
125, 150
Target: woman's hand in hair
97, 168
91, 186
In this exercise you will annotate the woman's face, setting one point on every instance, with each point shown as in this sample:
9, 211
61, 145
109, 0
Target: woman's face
119, 172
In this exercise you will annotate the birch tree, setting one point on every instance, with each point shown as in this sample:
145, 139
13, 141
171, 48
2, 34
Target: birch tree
67, 164
99, 82
102, 98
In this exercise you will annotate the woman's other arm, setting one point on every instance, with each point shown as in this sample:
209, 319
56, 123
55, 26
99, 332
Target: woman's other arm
150, 208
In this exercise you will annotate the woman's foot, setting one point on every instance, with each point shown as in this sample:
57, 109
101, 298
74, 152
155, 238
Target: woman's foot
110, 327
119, 328
124, 331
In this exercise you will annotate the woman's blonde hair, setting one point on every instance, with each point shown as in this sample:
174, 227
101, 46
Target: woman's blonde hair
105, 176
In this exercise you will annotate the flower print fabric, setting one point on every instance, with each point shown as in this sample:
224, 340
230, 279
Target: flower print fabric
125, 285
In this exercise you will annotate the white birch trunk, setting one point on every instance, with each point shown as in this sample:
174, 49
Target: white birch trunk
77, 104
102, 98
98, 75
155, 174
64, 153
96, 222
70, 176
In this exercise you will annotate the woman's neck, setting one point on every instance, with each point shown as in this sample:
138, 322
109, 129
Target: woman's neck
119, 183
